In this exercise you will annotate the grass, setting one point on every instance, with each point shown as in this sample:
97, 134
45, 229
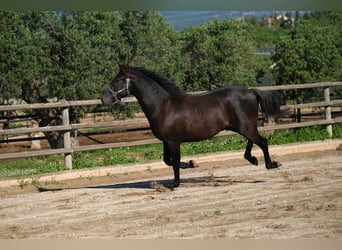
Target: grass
217, 212
30, 167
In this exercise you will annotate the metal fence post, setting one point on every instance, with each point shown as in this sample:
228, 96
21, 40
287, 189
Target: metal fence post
67, 140
328, 110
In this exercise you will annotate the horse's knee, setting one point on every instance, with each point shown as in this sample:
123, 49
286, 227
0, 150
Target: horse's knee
168, 161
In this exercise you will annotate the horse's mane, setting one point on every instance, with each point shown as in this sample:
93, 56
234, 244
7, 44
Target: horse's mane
163, 81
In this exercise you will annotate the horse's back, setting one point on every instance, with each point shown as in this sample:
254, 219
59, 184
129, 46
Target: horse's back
234, 96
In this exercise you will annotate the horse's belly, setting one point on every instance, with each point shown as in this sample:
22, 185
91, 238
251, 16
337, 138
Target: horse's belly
194, 124
201, 131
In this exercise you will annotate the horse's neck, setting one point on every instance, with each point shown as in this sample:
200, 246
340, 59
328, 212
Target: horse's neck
150, 96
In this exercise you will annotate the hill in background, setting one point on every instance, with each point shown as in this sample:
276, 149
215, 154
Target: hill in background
182, 19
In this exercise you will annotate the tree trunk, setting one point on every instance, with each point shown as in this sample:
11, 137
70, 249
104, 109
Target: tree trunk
47, 117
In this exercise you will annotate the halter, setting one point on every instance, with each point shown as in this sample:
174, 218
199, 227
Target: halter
115, 93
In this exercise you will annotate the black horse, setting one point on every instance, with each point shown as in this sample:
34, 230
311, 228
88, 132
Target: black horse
177, 117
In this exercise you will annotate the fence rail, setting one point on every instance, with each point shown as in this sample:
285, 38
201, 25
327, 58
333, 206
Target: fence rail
66, 128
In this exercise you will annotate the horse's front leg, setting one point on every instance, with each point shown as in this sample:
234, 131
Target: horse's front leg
168, 159
248, 153
167, 155
172, 158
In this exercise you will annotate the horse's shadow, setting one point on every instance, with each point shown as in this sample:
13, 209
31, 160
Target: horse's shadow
164, 184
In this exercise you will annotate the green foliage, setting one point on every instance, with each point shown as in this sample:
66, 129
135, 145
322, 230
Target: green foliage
215, 144
84, 160
31, 166
298, 135
84, 54
152, 43
24, 51
268, 37
337, 131
146, 152
117, 158
219, 53
312, 52
309, 54
102, 158
74, 55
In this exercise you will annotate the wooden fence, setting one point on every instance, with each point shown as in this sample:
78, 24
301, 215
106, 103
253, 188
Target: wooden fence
66, 127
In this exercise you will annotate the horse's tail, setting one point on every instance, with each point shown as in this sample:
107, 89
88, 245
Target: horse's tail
270, 102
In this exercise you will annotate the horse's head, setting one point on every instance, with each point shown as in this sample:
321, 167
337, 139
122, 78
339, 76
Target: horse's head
118, 88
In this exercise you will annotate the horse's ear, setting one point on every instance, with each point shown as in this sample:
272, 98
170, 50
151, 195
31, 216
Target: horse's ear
126, 71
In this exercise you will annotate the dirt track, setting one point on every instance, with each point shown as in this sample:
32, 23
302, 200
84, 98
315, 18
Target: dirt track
227, 199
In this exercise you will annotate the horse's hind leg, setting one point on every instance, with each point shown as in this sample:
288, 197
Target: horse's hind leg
248, 153
254, 137
262, 143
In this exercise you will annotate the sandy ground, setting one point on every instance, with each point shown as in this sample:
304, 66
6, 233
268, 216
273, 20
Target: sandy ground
224, 199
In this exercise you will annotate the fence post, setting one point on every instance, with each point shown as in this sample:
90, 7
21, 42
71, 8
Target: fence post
67, 140
328, 110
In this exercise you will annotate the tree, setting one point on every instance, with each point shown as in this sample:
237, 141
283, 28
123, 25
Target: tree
24, 56
10, 24
74, 55
219, 53
25, 59
152, 43
85, 54
308, 54
64, 55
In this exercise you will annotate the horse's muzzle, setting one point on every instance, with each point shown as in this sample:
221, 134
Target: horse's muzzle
107, 98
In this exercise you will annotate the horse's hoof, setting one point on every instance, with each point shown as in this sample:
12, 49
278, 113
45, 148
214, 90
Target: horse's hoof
254, 161
193, 164
275, 164
175, 184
